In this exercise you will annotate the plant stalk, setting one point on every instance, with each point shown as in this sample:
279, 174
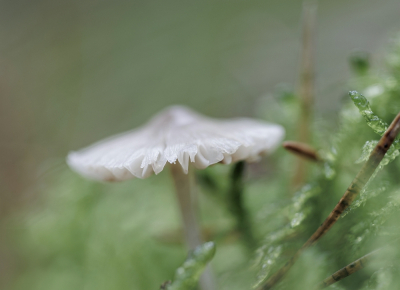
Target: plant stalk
306, 90
237, 207
302, 150
350, 268
346, 271
351, 193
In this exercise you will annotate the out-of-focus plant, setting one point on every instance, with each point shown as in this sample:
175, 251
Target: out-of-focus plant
87, 236
187, 276
370, 222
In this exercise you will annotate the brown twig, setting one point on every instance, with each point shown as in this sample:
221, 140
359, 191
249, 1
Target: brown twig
346, 271
306, 89
302, 150
352, 191
350, 268
165, 285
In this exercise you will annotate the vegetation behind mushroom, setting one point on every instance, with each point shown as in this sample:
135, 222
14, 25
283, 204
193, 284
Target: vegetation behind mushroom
76, 238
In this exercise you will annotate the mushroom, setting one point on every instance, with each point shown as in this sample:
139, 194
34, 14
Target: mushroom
177, 136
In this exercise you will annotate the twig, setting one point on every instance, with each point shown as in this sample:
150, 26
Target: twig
346, 271
352, 191
306, 90
301, 149
165, 285
350, 268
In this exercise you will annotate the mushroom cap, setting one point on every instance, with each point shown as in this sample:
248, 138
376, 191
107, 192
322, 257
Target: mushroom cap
175, 134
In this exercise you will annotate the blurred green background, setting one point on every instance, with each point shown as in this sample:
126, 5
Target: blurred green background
73, 72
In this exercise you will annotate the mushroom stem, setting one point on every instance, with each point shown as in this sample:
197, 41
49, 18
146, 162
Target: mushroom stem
187, 205
192, 230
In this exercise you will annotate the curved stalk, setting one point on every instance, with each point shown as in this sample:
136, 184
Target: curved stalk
237, 208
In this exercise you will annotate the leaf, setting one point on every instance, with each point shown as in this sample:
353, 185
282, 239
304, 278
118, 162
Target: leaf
376, 123
187, 276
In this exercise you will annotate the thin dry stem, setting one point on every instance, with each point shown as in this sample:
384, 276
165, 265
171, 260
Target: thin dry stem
346, 271
306, 90
350, 268
302, 150
352, 191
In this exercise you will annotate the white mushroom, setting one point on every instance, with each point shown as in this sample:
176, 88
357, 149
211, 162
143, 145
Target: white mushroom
177, 135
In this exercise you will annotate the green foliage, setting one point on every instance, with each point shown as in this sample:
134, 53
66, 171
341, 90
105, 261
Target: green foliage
366, 224
359, 62
187, 276
84, 235
275, 244
373, 120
